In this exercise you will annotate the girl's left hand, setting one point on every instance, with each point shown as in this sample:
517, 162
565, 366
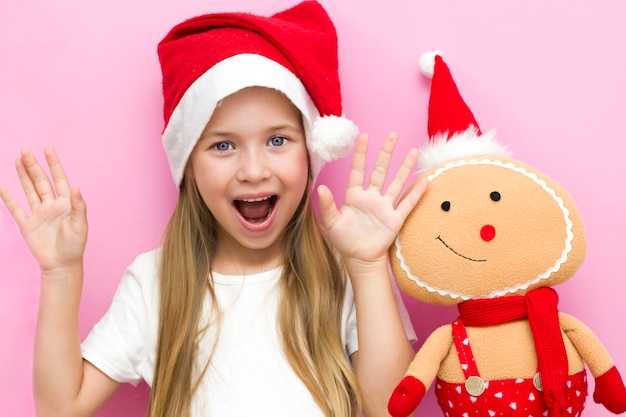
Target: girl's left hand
365, 226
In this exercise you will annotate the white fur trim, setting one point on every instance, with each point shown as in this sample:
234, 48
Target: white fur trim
427, 63
465, 144
195, 108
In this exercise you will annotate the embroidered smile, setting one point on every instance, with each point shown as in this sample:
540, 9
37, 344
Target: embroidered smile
256, 210
455, 252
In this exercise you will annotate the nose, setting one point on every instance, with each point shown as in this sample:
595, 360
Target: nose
253, 166
488, 232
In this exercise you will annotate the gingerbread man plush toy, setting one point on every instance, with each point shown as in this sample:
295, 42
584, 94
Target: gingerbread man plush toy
493, 236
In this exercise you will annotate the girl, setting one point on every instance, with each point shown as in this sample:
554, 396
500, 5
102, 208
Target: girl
247, 307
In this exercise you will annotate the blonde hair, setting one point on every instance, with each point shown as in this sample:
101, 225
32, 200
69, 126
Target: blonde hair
312, 290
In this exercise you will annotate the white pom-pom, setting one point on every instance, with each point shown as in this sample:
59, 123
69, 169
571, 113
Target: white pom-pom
427, 63
332, 137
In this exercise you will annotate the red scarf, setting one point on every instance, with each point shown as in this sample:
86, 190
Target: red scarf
540, 307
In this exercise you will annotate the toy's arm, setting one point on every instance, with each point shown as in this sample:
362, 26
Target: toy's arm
421, 373
609, 388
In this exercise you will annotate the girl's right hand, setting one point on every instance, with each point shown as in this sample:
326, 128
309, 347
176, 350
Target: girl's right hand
56, 228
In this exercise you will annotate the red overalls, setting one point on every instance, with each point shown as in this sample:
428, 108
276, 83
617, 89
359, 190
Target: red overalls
509, 397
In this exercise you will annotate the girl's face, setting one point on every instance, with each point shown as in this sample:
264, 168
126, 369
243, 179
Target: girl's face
251, 169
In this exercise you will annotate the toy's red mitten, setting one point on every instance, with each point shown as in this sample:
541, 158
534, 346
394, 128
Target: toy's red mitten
610, 391
406, 397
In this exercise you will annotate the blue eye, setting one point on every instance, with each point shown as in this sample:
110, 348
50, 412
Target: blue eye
222, 146
277, 141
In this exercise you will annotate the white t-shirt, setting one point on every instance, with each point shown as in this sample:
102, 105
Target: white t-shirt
248, 373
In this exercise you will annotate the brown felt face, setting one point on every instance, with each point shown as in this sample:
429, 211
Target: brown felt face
488, 227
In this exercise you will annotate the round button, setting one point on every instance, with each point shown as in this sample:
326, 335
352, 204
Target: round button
475, 386
537, 382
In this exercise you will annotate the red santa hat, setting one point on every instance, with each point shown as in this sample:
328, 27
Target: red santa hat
209, 57
452, 129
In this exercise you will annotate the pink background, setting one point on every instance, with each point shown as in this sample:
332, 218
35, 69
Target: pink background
85, 79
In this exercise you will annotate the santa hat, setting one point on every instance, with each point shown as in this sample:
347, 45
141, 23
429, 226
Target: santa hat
452, 129
209, 57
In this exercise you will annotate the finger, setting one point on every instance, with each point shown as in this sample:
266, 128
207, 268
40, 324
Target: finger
61, 184
359, 161
412, 198
327, 206
38, 178
16, 211
78, 215
32, 197
381, 166
403, 174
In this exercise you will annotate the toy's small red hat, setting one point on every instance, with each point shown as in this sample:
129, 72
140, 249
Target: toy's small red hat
452, 129
447, 111
209, 57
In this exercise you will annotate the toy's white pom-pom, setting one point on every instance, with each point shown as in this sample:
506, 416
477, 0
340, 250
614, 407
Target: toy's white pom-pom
427, 63
332, 137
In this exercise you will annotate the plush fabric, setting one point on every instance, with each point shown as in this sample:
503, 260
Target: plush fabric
494, 236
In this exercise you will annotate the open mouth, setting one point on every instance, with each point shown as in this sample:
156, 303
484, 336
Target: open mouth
256, 210
456, 253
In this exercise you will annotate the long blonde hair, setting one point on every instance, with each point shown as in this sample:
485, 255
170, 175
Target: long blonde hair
313, 287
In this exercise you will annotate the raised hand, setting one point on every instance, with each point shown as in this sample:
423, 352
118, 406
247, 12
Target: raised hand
55, 230
370, 218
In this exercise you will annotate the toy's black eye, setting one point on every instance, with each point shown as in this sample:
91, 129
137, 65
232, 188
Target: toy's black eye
495, 196
445, 206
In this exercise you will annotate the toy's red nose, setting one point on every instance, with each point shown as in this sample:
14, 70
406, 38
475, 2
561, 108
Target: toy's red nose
488, 232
